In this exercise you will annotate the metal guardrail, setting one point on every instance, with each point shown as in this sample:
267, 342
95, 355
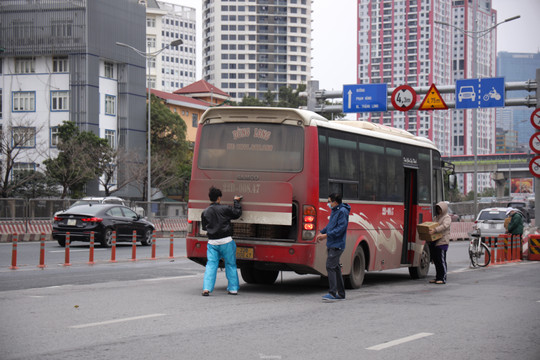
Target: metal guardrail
44, 209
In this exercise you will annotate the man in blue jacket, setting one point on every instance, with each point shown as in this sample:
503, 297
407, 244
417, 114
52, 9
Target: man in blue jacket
335, 234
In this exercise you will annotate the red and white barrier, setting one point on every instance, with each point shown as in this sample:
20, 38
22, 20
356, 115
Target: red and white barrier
31, 230
460, 230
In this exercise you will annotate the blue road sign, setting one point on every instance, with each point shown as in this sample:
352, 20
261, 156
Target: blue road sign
479, 93
364, 98
492, 90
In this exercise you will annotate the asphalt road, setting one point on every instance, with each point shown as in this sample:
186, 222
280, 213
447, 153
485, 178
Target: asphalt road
153, 309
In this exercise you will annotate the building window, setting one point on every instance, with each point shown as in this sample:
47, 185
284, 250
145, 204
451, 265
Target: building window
109, 70
151, 22
59, 100
110, 105
25, 65
53, 138
194, 119
1, 100
60, 64
61, 29
151, 42
23, 137
24, 101
110, 136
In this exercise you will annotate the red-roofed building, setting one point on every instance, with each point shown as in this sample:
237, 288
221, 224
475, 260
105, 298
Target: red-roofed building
204, 91
191, 105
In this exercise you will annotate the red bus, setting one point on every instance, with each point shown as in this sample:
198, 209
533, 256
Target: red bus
285, 162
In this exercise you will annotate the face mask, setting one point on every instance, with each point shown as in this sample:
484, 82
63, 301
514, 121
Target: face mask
329, 205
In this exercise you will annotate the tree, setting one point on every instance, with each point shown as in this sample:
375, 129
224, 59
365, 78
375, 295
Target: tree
250, 101
17, 141
82, 156
170, 150
39, 185
133, 169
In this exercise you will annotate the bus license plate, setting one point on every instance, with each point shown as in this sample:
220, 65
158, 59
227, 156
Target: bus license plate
244, 253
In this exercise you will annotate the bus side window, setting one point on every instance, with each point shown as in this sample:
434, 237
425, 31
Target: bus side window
323, 166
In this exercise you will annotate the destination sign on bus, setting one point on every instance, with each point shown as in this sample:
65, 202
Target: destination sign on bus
251, 147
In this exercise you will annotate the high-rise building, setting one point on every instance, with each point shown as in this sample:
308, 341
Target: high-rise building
416, 42
398, 44
518, 67
506, 141
61, 62
174, 67
473, 56
251, 47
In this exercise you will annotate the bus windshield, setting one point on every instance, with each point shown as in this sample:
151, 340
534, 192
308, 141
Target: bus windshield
251, 147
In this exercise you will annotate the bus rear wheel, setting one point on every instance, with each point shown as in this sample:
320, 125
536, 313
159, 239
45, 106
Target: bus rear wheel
252, 275
358, 270
421, 271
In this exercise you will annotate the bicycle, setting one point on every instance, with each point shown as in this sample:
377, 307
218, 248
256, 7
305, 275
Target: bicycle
479, 252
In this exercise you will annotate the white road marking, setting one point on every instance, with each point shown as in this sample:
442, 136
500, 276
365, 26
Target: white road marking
116, 321
170, 278
398, 341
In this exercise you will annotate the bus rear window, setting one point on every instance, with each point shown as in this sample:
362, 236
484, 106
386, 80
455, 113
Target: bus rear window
251, 147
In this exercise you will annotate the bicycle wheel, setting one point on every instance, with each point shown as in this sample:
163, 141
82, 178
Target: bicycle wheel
472, 253
481, 256
484, 255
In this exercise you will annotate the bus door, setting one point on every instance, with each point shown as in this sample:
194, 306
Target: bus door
410, 201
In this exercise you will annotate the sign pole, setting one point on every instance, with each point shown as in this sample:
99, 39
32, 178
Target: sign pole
537, 180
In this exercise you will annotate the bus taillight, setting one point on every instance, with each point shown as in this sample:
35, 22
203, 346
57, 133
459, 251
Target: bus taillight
309, 220
189, 226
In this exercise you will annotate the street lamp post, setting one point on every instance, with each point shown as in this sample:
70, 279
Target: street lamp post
148, 56
475, 34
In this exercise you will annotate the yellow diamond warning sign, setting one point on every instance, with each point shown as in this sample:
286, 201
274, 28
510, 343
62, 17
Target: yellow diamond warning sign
433, 100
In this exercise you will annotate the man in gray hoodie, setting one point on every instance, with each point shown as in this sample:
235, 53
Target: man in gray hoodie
440, 247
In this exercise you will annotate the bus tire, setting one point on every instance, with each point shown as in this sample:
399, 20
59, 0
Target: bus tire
266, 277
358, 270
248, 275
252, 275
421, 271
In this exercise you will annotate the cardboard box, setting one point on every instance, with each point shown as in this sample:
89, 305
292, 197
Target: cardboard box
423, 231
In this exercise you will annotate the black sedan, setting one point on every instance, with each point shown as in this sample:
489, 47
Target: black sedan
102, 219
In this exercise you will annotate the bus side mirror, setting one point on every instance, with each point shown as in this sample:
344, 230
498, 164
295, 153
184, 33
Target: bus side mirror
452, 181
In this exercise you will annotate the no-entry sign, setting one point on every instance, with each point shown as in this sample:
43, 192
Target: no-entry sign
534, 166
535, 119
534, 143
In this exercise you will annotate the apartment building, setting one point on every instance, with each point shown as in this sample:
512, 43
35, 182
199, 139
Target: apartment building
417, 42
251, 47
398, 44
61, 62
174, 67
518, 67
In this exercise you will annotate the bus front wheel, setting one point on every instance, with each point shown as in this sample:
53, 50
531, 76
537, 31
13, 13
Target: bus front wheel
421, 271
358, 270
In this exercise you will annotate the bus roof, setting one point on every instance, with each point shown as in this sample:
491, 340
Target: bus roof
379, 131
309, 118
249, 113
